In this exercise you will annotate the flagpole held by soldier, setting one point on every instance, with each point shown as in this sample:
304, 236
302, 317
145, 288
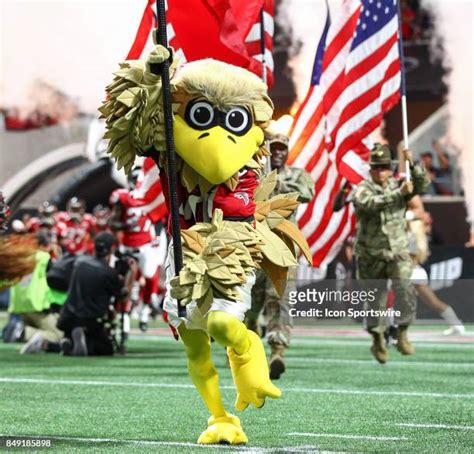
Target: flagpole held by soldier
382, 244
264, 295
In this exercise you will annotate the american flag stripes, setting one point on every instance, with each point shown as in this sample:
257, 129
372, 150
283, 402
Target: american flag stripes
253, 39
356, 79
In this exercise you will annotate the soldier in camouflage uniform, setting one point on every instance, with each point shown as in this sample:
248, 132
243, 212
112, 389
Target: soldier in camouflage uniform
382, 244
264, 295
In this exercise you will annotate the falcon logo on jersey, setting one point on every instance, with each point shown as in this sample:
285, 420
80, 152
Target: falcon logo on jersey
242, 196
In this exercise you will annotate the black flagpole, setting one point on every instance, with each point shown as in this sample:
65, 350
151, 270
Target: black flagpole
262, 45
172, 176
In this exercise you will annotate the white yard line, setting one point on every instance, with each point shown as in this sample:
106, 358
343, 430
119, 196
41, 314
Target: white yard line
363, 341
238, 448
346, 436
435, 426
371, 362
381, 393
189, 386
317, 340
365, 362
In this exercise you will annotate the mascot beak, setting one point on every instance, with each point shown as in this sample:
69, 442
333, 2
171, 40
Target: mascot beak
215, 153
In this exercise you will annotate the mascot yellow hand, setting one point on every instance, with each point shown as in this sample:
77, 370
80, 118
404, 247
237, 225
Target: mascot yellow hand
251, 375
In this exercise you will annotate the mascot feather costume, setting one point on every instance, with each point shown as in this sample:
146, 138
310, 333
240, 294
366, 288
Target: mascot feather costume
229, 227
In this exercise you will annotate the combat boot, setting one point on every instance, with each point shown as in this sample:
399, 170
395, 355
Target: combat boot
378, 348
277, 362
404, 346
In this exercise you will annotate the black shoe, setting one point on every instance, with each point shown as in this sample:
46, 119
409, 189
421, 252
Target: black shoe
79, 342
66, 346
277, 367
143, 327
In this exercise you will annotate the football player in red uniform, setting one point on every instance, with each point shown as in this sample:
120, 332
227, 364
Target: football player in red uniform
47, 218
139, 238
79, 227
102, 218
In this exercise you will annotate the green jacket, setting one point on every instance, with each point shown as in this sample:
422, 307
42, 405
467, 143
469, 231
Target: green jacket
56, 297
30, 294
381, 227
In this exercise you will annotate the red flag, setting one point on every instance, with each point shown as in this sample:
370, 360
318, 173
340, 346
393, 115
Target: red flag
226, 30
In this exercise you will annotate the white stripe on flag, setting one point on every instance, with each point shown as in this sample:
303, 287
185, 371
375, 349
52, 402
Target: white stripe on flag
312, 103
170, 31
362, 85
352, 159
321, 202
331, 227
369, 46
268, 59
362, 117
311, 146
255, 31
350, 7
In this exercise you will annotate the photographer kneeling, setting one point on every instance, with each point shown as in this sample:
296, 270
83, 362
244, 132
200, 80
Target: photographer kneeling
93, 285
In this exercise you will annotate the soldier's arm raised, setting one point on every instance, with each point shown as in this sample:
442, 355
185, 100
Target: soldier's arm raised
368, 200
418, 174
420, 179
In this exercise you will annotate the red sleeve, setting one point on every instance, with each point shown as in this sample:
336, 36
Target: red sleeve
118, 196
90, 221
238, 205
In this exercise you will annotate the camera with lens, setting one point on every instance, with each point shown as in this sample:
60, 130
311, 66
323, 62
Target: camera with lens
122, 264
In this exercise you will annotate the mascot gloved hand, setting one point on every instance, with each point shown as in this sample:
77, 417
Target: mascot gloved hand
230, 226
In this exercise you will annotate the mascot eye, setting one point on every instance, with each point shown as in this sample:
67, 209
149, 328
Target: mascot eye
238, 120
201, 114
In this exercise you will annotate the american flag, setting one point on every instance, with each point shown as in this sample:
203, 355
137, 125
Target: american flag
261, 11
356, 78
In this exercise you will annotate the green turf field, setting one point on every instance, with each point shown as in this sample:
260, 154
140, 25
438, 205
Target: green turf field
335, 398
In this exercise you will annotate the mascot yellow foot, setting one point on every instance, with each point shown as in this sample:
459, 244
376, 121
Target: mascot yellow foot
223, 430
251, 376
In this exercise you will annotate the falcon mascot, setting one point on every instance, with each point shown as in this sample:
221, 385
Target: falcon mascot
229, 225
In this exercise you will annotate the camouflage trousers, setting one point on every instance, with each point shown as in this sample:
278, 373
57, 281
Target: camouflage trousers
374, 273
277, 310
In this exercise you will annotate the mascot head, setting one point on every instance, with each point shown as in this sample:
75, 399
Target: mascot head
220, 111
219, 117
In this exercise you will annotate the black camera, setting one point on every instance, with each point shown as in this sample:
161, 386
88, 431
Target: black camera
121, 265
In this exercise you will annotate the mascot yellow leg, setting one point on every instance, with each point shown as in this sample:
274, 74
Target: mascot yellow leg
247, 358
222, 426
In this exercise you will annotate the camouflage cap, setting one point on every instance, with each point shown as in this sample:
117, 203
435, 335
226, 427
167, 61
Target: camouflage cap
380, 155
274, 137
